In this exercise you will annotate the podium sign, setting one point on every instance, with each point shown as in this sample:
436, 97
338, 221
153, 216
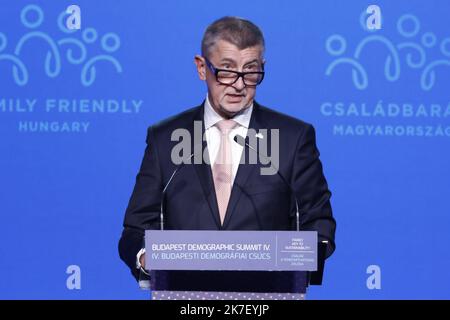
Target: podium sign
231, 250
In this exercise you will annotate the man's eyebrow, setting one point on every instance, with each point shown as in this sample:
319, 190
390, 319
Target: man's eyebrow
224, 60
232, 62
251, 62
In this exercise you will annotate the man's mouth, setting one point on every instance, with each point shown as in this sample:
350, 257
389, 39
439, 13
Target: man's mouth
235, 97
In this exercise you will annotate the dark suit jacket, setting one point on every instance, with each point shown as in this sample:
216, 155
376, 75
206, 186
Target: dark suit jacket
257, 202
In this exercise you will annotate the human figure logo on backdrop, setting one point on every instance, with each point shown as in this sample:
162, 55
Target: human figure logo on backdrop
413, 50
77, 51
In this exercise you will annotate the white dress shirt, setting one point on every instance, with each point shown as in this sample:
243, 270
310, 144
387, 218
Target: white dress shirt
212, 133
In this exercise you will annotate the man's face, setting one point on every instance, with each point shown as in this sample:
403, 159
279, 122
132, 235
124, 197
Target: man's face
228, 100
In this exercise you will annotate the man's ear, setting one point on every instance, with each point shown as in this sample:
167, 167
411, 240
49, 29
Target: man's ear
201, 66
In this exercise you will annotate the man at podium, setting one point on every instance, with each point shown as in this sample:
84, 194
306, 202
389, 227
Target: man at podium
226, 190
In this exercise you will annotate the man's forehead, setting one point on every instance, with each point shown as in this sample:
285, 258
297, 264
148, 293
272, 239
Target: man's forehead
226, 51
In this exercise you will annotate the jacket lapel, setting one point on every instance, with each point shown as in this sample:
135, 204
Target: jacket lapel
203, 168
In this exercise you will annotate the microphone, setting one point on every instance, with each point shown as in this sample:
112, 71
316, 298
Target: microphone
177, 169
242, 141
144, 276
315, 277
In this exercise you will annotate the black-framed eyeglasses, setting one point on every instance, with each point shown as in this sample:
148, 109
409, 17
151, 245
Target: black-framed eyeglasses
229, 77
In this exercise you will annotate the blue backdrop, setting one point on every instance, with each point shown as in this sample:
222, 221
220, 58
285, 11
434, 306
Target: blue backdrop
74, 108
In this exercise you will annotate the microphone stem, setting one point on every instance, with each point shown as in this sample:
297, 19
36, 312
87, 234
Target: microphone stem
297, 214
161, 215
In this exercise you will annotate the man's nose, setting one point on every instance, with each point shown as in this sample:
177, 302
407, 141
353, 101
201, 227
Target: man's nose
239, 85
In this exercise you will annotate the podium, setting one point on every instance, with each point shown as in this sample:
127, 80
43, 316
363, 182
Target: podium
232, 265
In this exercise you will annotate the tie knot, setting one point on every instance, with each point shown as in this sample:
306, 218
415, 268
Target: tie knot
226, 125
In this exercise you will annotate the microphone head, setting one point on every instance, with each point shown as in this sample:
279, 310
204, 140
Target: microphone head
239, 139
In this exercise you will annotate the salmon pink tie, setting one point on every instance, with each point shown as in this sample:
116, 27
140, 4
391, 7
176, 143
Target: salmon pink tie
222, 167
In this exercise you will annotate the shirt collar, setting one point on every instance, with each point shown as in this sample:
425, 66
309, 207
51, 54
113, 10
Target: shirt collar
211, 117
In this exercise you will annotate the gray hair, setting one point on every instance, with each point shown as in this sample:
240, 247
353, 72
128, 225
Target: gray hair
240, 32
